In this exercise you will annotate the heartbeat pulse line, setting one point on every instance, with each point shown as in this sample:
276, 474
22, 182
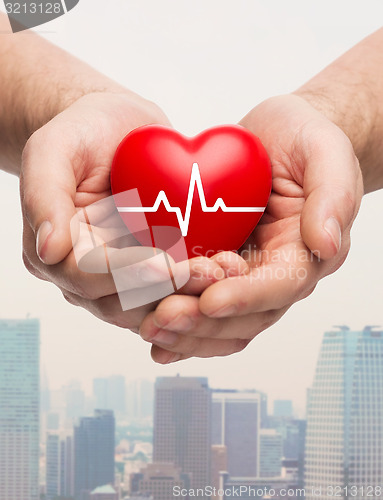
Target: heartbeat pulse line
195, 180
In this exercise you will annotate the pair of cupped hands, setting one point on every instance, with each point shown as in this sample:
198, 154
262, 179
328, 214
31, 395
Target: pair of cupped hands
303, 235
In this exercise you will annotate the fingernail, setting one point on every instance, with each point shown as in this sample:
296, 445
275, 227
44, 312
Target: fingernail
181, 323
165, 338
43, 233
332, 227
228, 310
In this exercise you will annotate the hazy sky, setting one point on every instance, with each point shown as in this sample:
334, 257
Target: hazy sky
205, 63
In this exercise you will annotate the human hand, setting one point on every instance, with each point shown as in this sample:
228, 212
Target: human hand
303, 236
66, 166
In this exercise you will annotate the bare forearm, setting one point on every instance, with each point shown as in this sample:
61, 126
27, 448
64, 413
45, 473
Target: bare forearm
37, 81
350, 93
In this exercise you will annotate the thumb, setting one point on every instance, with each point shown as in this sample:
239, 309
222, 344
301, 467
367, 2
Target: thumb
48, 188
333, 189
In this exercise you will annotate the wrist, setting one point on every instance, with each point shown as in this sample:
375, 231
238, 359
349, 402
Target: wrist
44, 106
354, 111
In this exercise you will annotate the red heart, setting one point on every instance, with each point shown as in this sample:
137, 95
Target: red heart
230, 177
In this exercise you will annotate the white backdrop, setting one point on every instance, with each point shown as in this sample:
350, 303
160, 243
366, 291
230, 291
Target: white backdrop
205, 63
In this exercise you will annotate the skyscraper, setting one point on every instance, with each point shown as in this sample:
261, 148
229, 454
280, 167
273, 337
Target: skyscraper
19, 409
344, 438
293, 432
52, 466
159, 481
93, 452
59, 465
218, 464
182, 426
271, 450
236, 417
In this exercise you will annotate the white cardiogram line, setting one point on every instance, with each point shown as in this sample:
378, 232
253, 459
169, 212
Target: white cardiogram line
195, 179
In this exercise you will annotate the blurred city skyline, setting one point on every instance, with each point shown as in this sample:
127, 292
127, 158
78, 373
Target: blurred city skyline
137, 436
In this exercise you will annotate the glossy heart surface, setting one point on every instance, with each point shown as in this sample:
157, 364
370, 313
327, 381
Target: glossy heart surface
209, 190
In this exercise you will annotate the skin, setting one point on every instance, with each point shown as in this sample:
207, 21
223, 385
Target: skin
303, 236
329, 150
60, 126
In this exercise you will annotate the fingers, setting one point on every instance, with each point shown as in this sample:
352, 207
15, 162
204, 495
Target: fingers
333, 189
109, 309
139, 274
231, 263
48, 188
206, 271
269, 286
203, 348
178, 320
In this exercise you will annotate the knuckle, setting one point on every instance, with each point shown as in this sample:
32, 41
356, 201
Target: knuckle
29, 200
215, 330
69, 299
31, 268
107, 309
240, 344
347, 200
193, 349
308, 292
252, 332
86, 290
270, 318
27, 263
301, 280
234, 346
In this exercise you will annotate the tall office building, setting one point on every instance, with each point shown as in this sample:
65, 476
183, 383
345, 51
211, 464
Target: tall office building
182, 426
292, 431
218, 464
52, 466
19, 409
344, 438
271, 451
59, 466
159, 481
94, 443
45, 397
236, 418
264, 412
